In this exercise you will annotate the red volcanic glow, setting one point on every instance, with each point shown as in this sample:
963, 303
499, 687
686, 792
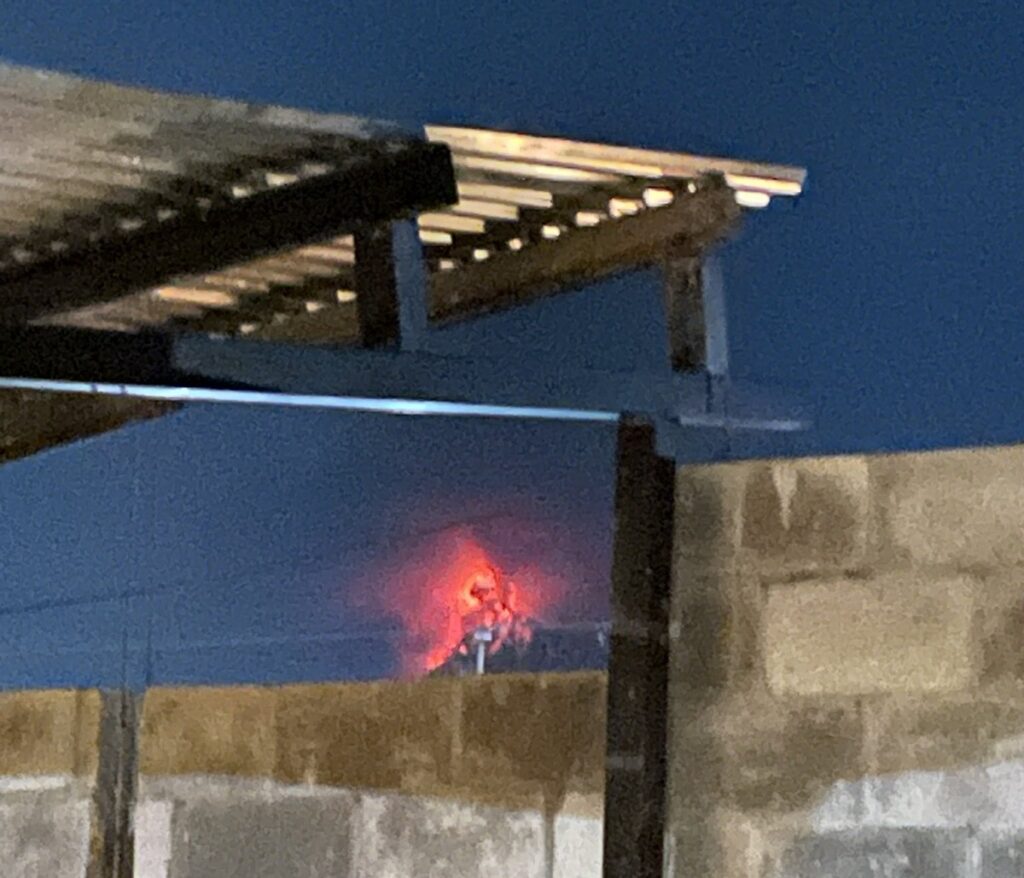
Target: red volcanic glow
452, 586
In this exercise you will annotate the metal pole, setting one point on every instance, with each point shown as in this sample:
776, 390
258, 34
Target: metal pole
481, 637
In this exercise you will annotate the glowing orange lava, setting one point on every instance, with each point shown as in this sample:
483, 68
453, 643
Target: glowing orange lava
442, 591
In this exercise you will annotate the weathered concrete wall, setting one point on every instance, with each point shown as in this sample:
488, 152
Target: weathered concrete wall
495, 776
531, 741
202, 827
848, 699
848, 690
499, 776
48, 764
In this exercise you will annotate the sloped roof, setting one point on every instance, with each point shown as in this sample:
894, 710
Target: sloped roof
132, 210
534, 216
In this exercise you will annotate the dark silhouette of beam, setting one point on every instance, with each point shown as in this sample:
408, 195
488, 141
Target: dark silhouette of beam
368, 189
638, 667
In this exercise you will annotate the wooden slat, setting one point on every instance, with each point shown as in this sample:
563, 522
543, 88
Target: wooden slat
123, 104
517, 195
677, 164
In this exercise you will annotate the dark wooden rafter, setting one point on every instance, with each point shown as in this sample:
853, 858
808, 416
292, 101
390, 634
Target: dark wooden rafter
635, 780
584, 255
92, 205
57, 353
366, 191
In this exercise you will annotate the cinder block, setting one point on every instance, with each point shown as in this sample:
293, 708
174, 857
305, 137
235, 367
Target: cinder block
986, 797
154, 839
928, 734
1002, 856
388, 735
44, 836
49, 732
529, 740
281, 838
774, 755
709, 513
401, 836
578, 846
875, 854
929, 799
958, 507
906, 633
1001, 628
209, 730
808, 515
714, 630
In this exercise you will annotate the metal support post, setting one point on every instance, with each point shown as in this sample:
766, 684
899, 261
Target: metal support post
638, 666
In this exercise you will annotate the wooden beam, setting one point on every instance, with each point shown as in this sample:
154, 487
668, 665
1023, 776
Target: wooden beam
377, 294
365, 191
169, 367
390, 281
683, 291
62, 354
635, 779
583, 255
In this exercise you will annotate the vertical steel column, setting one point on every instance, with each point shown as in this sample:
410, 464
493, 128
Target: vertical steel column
638, 666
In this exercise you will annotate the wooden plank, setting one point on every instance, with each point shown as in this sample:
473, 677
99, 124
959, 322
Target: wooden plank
621, 159
584, 255
233, 232
635, 778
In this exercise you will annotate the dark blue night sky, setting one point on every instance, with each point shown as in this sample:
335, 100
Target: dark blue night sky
889, 296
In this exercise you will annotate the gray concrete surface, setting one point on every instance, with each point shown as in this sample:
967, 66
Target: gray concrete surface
197, 827
44, 835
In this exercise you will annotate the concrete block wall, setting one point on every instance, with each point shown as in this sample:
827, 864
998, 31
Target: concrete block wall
848, 671
48, 764
530, 741
203, 827
495, 776
847, 700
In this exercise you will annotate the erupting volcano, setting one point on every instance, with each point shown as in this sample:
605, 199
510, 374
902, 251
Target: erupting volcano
448, 591
491, 620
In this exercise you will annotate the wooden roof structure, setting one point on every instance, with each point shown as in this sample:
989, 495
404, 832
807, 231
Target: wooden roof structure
133, 211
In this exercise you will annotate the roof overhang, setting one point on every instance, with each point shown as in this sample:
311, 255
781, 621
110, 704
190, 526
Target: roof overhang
143, 213
130, 210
